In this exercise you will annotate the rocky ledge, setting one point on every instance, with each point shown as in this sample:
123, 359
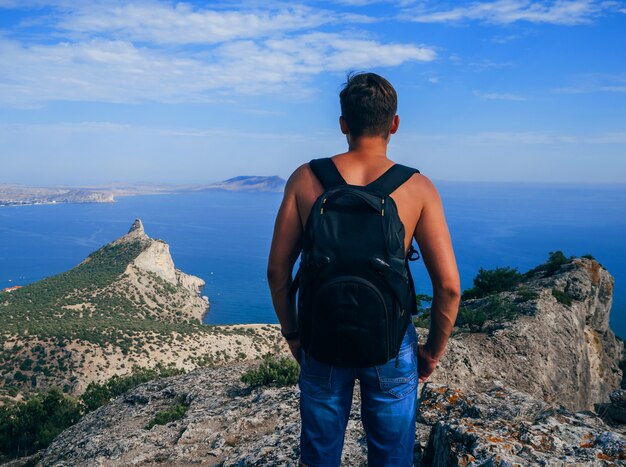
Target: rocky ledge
228, 424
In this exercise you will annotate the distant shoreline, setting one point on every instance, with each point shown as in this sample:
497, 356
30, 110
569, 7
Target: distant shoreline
20, 195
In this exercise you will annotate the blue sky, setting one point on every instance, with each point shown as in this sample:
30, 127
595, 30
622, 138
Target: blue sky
193, 92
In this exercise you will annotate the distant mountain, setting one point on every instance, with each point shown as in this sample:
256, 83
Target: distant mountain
250, 183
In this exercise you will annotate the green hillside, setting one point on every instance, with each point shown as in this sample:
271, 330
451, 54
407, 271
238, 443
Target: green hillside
41, 308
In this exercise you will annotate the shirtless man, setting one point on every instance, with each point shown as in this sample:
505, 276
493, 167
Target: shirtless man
368, 120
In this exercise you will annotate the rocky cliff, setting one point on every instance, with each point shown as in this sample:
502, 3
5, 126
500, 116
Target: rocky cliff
560, 350
155, 258
508, 392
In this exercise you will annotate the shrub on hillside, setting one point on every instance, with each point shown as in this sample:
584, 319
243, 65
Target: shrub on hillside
494, 308
279, 372
26, 427
176, 412
98, 394
556, 259
491, 281
562, 297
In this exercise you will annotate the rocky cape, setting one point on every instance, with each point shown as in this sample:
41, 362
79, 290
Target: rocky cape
541, 388
126, 304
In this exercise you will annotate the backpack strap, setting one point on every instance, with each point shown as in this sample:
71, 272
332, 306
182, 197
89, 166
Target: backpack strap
326, 172
395, 176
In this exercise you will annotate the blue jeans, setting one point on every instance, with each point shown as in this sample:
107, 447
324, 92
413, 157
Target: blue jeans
388, 408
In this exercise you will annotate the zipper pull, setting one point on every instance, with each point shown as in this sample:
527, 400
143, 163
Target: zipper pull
397, 358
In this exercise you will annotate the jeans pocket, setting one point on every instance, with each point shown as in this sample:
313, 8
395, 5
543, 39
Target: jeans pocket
402, 380
315, 376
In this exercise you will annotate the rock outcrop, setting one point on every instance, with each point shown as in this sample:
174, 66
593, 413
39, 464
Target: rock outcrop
155, 258
561, 353
228, 424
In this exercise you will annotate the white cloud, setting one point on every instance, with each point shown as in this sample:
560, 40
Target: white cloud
121, 72
121, 52
566, 12
182, 23
499, 96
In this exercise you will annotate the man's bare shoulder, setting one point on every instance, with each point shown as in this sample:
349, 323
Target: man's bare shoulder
301, 178
420, 185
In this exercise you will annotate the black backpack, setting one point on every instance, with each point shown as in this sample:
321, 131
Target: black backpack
356, 291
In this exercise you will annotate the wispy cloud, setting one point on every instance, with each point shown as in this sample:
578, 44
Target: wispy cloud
120, 52
499, 96
565, 12
162, 23
595, 82
504, 39
530, 138
121, 72
487, 64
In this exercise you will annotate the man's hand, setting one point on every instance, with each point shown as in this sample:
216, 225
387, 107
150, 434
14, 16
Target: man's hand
294, 347
426, 364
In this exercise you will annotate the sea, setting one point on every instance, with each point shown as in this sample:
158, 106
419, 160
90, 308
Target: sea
224, 237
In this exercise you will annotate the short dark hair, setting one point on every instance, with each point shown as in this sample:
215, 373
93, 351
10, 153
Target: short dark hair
368, 104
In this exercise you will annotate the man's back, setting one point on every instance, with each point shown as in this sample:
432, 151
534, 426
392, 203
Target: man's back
389, 390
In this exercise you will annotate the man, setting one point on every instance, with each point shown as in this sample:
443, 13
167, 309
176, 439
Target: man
388, 392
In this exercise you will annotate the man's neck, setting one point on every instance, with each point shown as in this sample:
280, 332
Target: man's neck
369, 146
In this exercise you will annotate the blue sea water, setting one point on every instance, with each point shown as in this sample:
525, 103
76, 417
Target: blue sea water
224, 237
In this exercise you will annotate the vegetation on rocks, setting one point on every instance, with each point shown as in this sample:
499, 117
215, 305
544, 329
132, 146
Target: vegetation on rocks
562, 297
26, 427
494, 308
491, 281
176, 412
97, 394
283, 371
489, 284
556, 259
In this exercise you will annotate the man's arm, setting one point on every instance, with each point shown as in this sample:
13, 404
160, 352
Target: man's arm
286, 246
433, 238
